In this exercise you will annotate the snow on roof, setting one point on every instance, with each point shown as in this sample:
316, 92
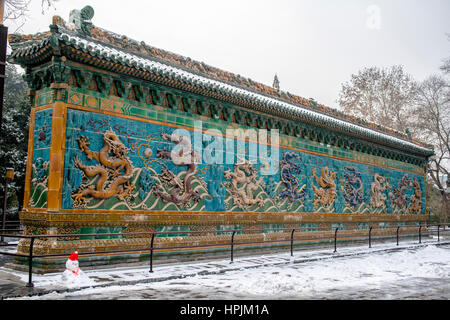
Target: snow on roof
169, 71
110, 51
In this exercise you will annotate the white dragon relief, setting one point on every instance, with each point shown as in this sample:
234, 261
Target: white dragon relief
244, 182
379, 184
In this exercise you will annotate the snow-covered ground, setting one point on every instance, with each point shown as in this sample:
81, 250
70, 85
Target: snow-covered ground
412, 272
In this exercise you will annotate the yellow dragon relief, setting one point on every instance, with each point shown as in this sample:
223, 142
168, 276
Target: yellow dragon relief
110, 181
326, 194
416, 198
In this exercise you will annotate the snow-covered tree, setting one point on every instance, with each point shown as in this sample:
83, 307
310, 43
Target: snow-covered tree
14, 137
432, 112
17, 9
380, 95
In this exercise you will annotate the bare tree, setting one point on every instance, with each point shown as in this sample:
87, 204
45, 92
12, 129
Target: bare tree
446, 66
383, 96
432, 112
391, 98
17, 9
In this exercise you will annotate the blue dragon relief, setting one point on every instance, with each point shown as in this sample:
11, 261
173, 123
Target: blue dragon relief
352, 187
288, 173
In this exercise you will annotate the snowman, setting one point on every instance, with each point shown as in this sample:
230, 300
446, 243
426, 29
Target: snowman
73, 275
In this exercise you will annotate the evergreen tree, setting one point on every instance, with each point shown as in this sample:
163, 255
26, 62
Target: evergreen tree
14, 138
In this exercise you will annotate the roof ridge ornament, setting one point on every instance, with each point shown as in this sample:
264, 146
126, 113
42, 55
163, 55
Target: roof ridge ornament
82, 20
276, 83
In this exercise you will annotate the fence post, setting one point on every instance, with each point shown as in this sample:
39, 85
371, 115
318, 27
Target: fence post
438, 231
370, 237
292, 242
420, 234
151, 252
335, 237
30, 265
398, 228
232, 245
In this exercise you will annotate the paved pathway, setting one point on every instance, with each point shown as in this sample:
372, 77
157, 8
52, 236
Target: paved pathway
13, 283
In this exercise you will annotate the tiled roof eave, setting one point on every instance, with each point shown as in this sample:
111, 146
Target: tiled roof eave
145, 64
27, 58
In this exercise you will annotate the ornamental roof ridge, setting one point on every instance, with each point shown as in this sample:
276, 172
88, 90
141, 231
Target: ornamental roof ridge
112, 44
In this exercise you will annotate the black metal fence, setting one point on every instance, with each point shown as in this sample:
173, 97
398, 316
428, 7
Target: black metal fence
232, 243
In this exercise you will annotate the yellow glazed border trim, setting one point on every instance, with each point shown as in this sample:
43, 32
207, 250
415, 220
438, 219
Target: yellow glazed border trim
29, 167
63, 152
56, 157
206, 217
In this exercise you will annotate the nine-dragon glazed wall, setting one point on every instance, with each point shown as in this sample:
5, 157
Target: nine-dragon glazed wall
127, 138
100, 164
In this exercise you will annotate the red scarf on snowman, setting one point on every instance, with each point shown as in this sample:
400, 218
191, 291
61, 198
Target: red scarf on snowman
74, 257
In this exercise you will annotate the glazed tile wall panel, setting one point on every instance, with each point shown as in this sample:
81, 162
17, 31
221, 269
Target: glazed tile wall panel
116, 163
41, 158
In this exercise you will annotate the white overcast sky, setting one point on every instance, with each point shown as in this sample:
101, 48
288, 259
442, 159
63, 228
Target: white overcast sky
314, 46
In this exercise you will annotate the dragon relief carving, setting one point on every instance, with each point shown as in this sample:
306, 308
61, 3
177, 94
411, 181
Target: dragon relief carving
326, 194
40, 171
244, 182
181, 189
352, 187
379, 184
399, 197
288, 169
416, 198
112, 160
